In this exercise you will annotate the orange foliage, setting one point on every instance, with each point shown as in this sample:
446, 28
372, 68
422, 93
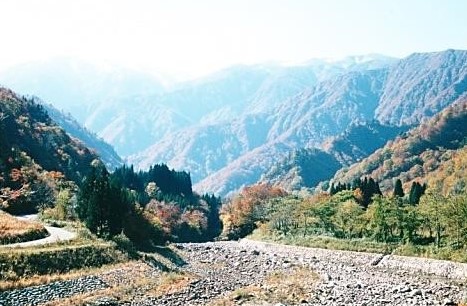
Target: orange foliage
195, 219
238, 215
166, 214
57, 175
16, 175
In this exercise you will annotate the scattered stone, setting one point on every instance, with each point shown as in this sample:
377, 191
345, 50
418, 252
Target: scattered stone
415, 292
221, 268
448, 302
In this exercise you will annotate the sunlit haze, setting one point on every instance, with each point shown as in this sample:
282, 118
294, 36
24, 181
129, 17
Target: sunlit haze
186, 39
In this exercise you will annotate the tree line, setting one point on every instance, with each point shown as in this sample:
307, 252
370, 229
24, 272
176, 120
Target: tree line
420, 216
157, 205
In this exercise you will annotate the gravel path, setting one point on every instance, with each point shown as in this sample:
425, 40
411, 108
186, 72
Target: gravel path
345, 278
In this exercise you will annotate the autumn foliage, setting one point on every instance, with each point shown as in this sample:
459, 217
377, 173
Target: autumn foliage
240, 214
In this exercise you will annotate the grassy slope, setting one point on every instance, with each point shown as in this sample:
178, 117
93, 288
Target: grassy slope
13, 230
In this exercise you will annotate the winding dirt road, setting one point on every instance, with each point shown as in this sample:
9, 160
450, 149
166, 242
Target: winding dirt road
55, 234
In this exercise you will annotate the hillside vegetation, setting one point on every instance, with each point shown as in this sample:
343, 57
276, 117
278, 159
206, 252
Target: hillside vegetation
305, 168
410, 197
227, 155
105, 151
417, 153
37, 157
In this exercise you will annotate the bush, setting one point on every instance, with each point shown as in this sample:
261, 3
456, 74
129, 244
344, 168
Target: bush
140, 229
125, 245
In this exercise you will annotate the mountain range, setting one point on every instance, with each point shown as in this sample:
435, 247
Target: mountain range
133, 110
426, 84
238, 126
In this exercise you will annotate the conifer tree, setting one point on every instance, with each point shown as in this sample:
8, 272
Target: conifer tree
398, 191
416, 191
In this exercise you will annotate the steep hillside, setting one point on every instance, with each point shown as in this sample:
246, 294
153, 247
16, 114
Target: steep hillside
421, 85
302, 168
451, 175
294, 127
418, 152
307, 167
132, 111
96, 95
36, 155
330, 107
105, 151
206, 149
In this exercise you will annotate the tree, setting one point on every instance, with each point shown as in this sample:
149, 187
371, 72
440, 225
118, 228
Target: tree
102, 204
456, 213
398, 191
432, 211
416, 191
382, 218
63, 205
348, 219
411, 221
152, 190
240, 214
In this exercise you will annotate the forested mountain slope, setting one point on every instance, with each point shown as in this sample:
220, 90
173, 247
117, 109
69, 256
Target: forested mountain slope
36, 155
417, 153
105, 151
330, 107
305, 168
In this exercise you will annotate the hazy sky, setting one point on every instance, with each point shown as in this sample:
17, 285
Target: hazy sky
193, 37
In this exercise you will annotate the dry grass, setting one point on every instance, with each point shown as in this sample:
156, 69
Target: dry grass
291, 287
45, 279
138, 281
171, 282
13, 230
124, 280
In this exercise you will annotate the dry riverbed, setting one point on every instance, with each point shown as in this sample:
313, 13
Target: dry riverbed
256, 273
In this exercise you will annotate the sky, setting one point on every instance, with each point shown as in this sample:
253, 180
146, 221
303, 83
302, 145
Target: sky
190, 38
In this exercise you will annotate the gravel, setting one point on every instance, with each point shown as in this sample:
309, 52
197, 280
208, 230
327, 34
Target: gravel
61, 289
345, 278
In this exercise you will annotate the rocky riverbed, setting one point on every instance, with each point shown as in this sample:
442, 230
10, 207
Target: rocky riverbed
250, 273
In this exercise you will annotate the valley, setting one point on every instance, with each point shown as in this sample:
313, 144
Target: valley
330, 182
233, 153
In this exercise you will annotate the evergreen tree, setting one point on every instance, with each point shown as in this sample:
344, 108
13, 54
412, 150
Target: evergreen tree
398, 191
87, 208
416, 191
332, 190
102, 205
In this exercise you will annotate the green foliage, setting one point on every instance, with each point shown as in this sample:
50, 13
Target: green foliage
63, 209
141, 229
416, 192
348, 219
438, 221
155, 211
102, 204
37, 157
364, 190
